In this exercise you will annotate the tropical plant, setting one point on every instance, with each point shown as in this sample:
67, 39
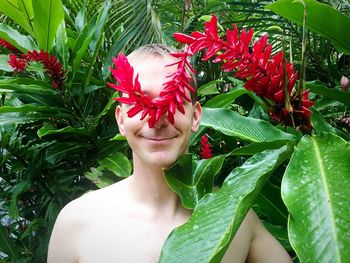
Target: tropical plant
57, 125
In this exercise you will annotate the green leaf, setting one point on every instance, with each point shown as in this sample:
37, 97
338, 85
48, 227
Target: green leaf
28, 86
226, 99
48, 15
117, 163
85, 38
192, 186
97, 177
13, 11
321, 19
256, 147
23, 43
48, 130
62, 45
7, 244
208, 233
321, 125
334, 94
65, 150
4, 65
118, 137
315, 189
244, 128
209, 88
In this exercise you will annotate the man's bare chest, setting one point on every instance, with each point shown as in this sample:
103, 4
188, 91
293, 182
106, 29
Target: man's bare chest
125, 241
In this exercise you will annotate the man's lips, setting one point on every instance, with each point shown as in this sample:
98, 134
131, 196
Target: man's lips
159, 139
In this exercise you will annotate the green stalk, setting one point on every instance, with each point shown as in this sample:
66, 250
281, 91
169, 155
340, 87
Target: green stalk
303, 57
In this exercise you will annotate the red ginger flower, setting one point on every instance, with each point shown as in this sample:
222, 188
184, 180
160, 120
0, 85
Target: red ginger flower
51, 64
205, 148
264, 75
16, 63
9, 46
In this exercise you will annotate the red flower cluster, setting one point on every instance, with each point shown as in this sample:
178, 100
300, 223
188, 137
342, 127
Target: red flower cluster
171, 98
264, 75
52, 66
205, 148
16, 63
9, 46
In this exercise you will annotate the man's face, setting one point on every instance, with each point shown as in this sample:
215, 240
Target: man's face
161, 145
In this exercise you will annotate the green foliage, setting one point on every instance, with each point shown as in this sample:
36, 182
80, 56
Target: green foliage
192, 186
216, 218
315, 190
332, 28
58, 144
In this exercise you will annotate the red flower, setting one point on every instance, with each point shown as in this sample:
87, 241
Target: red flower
171, 98
52, 66
16, 63
9, 46
205, 148
263, 75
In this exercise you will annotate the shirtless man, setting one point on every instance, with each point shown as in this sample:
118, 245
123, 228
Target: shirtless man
128, 222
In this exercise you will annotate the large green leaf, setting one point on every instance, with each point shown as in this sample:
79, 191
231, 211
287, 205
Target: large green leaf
208, 233
48, 130
86, 36
245, 128
48, 15
6, 243
13, 11
117, 163
321, 19
191, 179
315, 189
23, 43
319, 88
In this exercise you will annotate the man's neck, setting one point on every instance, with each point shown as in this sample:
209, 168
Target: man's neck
148, 186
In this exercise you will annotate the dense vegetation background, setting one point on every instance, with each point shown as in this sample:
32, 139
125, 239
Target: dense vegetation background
59, 138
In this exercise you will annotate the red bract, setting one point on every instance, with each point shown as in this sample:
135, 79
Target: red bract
9, 46
205, 148
16, 63
52, 66
263, 74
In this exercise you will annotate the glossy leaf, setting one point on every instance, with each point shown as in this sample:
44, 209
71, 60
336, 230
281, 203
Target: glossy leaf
14, 12
48, 15
209, 88
192, 186
321, 19
334, 94
256, 147
48, 130
23, 43
226, 99
244, 128
315, 189
117, 163
7, 244
208, 233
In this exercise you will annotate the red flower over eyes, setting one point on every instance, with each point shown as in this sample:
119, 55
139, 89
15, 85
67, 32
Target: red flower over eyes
171, 98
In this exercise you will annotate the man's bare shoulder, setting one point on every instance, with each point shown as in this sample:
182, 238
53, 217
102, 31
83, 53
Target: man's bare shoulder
95, 201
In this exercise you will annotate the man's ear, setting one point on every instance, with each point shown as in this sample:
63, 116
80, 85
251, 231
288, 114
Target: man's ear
197, 116
120, 119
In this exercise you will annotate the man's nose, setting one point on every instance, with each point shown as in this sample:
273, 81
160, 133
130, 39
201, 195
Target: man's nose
162, 122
